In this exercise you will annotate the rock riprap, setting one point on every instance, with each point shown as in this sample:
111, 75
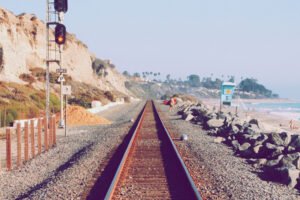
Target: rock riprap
277, 154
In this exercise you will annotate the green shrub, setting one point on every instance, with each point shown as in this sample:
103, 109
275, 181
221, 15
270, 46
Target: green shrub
80, 102
54, 103
39, 102
8, 117
35, 97
27, 78
13, 112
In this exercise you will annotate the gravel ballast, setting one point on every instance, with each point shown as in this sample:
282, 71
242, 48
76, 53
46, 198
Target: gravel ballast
64, 171
218, 173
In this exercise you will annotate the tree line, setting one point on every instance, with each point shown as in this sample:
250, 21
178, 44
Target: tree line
194, 80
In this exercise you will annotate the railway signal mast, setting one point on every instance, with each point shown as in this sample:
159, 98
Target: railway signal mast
55, 42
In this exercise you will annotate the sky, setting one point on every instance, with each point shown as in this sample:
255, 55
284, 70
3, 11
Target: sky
244, 38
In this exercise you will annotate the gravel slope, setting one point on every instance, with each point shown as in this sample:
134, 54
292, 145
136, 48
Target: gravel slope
64, 171
218, 173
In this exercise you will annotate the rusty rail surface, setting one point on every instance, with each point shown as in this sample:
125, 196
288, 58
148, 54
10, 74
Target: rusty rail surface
151, 167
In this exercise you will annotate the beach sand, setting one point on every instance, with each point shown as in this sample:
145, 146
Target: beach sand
269, 122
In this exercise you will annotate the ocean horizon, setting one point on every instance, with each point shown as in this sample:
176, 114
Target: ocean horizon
288, 110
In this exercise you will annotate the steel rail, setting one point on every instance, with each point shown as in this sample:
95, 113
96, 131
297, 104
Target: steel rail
116, 178
182, 165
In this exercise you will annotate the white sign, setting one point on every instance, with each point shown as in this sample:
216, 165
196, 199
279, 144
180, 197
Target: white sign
61, 70
67, 90
61, 78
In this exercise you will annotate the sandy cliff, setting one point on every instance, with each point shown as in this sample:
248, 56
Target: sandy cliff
23, 47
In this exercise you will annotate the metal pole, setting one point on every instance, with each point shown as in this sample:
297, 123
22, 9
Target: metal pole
62, 122
47, 64
66, 101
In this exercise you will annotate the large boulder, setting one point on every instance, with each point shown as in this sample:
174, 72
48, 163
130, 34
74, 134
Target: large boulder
221, 115
295, 142
274, 162
280, 139
186, 109
215, 123
210, 115
219, 139
271, 151
288, 176
287, 161
244, 146
260, 138
294, 155
286, 137
257, 149
235, 145
245, 150
254, 122
234, 129
238, 123
199, 111
252, 129
261, 162
256, 139
188, 117
290, 149
297, 163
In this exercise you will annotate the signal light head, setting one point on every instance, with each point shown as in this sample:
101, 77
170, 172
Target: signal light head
60, 34
61, 5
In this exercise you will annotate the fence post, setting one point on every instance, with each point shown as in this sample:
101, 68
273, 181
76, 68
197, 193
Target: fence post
54, 130
46, 133
39, 136
26, 153
19, 156
32, 138
8, 149
50, 132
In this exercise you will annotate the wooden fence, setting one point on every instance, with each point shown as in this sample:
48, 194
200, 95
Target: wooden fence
25, 143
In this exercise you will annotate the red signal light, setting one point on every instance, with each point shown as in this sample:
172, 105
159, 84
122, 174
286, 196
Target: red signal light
60, 34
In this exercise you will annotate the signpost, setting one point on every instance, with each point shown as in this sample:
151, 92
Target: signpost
66, 90
61, 71
227, 91
61, 78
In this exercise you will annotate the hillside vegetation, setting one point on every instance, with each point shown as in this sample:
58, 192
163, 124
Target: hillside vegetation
153, 86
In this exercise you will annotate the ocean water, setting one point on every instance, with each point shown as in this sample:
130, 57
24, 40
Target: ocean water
289, 110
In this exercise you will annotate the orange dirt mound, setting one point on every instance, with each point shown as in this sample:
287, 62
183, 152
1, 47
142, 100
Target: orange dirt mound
78, 116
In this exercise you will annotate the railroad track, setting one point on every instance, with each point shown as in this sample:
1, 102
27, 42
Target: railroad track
150, 166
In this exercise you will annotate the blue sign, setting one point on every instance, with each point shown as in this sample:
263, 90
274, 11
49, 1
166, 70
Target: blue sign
227, 91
